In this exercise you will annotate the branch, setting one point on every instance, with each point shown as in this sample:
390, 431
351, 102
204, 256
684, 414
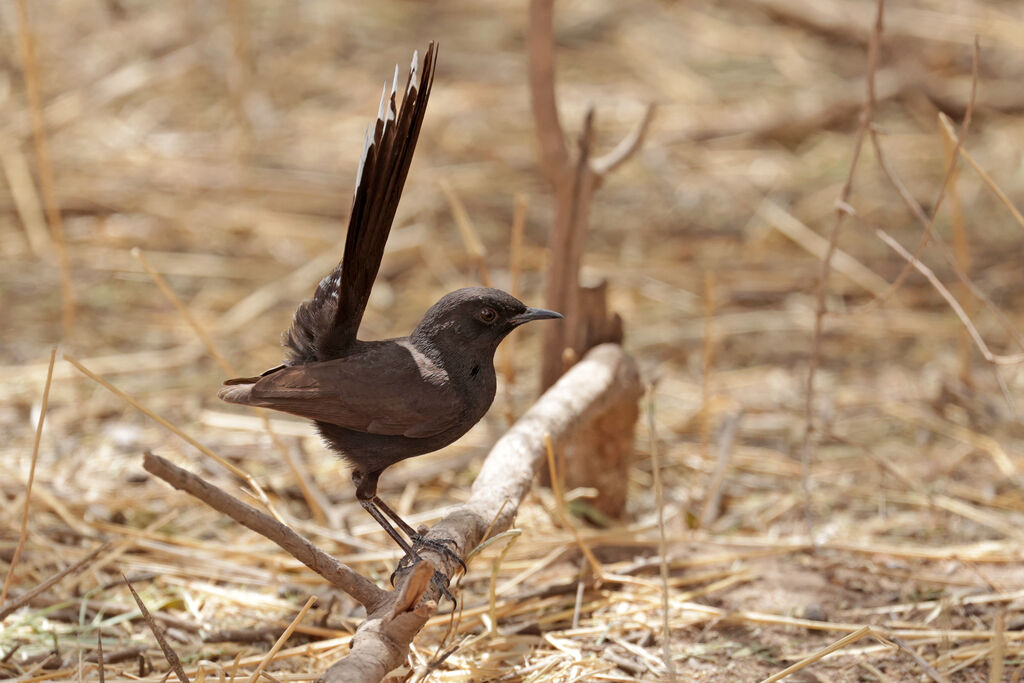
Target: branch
626, 148
601, 382
540, 37
299, 547
821, 308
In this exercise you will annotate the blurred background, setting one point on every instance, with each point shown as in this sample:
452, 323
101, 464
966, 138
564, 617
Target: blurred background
221, 139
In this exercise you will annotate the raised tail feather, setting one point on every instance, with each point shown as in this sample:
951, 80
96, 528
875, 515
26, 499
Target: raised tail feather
324, 326
236, 393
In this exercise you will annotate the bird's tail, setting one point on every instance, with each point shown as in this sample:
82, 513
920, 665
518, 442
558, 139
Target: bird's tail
324, 326
237, 393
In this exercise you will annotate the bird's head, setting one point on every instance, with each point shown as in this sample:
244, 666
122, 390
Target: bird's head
473, 320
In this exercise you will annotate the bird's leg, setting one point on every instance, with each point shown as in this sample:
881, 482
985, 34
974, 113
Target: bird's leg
436, 544
366, 494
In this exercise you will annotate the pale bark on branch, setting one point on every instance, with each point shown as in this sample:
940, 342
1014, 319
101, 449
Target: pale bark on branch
603, 383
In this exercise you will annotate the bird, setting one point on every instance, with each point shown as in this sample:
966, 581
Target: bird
376, 403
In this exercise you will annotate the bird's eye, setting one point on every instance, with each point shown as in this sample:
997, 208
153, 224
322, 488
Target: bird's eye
487, 315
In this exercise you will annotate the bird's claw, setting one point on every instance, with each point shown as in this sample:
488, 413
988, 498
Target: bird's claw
439, 579
440, 546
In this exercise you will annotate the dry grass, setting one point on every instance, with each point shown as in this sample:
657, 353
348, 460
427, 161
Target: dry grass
222, 140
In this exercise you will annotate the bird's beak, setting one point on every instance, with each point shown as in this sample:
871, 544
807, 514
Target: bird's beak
533, 314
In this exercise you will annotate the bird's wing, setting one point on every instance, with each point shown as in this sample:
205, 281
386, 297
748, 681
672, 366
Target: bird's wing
386, 397
326, 325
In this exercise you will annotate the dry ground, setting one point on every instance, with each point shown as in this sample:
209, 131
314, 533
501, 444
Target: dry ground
222, 139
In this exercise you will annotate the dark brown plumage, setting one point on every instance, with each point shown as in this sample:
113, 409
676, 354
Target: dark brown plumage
378, 402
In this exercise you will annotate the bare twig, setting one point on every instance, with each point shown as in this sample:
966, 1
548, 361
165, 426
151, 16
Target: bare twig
864, 632
336, 573
23, 533
928, 221
659, 499
99, 656
921, 661
950, 300
172, 428
985, 177
826, 267
282, 640
713, 495
77, 567
169, 654
507, 351
627, 147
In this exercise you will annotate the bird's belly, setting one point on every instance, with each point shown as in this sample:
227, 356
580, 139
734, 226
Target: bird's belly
375, 452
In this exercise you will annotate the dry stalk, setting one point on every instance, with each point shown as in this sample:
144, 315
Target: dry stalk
467, 231
237, 471
169, 654
955, 305
507, 350
26, 200
961, 243
563, 518
659, 501
928, 221
99, 656
70, 570
864, 632
985, 177
30, 69
921, 661
282, 639
713, 491
301, 477
821, 308
23, 532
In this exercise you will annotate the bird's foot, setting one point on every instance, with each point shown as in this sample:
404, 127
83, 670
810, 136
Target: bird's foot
440, 546
439, 579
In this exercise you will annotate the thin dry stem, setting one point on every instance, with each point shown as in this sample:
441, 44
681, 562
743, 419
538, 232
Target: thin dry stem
23, 531
283, 639
928, 221
957, 309
467, 231
821, 307
75, 568
169, 654
301, 478
26, 45
985, 177
556, 490
627, 147
515, 269
659, 501
961, 247
709, 362
864, 632
234, 469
